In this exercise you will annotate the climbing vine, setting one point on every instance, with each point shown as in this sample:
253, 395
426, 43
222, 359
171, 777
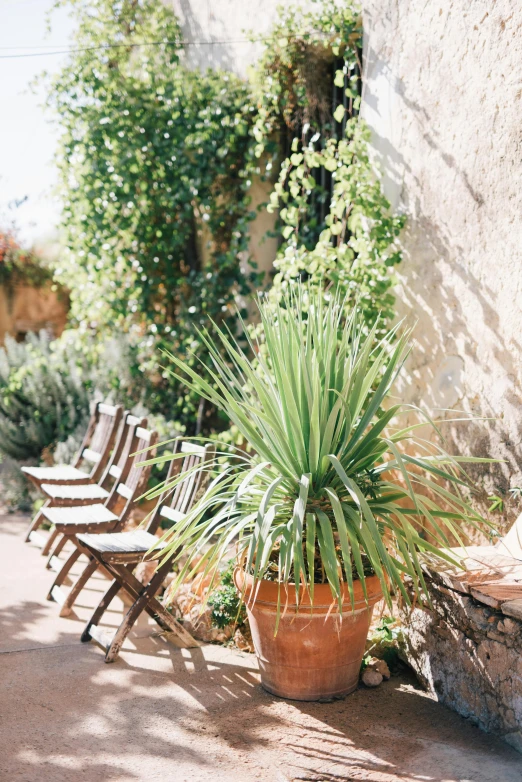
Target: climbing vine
356, 249
335, 223
155, 174
293, 78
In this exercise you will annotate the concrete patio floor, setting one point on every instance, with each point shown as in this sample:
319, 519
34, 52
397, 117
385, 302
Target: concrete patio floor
160, 713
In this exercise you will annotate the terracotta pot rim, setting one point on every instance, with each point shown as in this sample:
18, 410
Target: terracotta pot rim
323, 598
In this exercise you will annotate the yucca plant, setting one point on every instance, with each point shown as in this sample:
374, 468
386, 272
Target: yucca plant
338, 488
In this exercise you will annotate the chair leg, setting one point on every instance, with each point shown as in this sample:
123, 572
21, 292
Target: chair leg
49, 542
102, 606
60, 578
145, 601
77, 587
36, 522
57, 549
126, 626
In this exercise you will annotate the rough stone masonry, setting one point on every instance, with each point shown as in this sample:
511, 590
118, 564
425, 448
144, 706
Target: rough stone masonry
470, 657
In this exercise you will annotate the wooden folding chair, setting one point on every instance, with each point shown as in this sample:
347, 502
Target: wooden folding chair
109, 517
73, 495
120, 553
95, 450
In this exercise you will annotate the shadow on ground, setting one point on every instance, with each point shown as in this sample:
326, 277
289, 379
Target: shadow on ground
164, 713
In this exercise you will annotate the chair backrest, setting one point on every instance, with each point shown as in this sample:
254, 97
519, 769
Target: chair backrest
174, 504
130, 475
99, 438
125, 445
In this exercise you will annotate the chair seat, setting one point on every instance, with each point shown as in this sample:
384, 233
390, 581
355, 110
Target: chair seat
61, 473
87, 493
121, 546
84, 517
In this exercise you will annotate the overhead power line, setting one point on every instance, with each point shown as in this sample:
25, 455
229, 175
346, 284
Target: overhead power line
179, 44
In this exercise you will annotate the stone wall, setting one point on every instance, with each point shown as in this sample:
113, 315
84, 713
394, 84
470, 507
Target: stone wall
25, 308
470, 657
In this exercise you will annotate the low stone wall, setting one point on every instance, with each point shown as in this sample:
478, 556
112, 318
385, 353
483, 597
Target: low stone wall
470, 657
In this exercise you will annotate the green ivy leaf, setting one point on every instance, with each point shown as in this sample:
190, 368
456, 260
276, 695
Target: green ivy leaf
339, 79
339, 113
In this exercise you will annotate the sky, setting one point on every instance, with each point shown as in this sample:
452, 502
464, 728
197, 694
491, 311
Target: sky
27, 137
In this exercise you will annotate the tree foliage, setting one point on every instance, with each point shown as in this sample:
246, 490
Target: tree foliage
356, 249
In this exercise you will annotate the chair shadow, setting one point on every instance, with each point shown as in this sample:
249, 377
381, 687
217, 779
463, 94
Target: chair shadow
201, 714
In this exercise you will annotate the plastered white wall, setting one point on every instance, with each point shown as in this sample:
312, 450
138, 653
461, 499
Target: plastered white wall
444, 100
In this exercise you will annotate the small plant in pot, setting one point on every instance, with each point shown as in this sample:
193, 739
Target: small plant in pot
337, 506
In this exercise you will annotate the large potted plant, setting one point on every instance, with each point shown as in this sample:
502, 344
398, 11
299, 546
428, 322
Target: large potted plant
335, 505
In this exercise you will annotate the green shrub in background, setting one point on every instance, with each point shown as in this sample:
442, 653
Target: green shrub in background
43, 398
45, 390
17, 492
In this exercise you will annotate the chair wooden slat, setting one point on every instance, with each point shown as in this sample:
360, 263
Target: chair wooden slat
110, 410
60, 473
88, 514
92, 456
102, 439
122, 461
124, 491
91, 492
143, 434
134, 542
187, 447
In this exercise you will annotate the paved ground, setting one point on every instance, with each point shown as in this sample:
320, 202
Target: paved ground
160, 713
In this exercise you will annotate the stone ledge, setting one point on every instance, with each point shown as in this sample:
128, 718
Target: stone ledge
470, 656
513, 608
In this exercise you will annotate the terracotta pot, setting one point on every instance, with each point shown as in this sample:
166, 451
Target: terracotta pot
316, 653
